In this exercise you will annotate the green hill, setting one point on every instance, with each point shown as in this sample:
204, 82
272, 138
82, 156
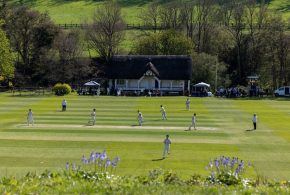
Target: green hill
74, 11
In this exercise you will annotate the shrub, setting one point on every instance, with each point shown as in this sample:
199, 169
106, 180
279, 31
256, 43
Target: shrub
226, 170
61, 89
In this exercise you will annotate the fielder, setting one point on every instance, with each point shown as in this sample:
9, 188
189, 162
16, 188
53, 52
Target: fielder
167, 143
193, 122
255, 120
187, 104
140, 118
30, 117
93, 117
163, 112
63, 104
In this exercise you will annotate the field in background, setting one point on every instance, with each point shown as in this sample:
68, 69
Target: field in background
62, 11
60, 137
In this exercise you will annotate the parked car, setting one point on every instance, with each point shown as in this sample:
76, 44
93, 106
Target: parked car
282, 91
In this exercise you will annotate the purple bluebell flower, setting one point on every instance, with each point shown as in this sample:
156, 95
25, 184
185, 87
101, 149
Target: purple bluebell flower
216, 163
108, 163
115, 161
103, 155
97, 155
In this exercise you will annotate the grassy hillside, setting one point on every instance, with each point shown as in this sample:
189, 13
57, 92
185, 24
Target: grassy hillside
59, 137
70, 11
283, 6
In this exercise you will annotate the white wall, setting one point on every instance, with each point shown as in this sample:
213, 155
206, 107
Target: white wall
147, 83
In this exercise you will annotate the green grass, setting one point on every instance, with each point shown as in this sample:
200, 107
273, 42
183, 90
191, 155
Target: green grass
282, 6
79, 11
60, 137
62, 11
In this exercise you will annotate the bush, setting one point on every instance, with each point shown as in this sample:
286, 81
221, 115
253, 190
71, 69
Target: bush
61, 89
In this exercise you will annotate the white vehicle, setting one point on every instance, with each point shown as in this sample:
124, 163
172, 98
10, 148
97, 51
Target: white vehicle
282, 91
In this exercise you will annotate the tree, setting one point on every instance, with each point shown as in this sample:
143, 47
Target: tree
237, 30
150, 15
70, 67
205, 10
3, 9
276, 44
170, 15
106, 33
187, 17
31, 35
6, 58
207, 68
174, 43
164, 43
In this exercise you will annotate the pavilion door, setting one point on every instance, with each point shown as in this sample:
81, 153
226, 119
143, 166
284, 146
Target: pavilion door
148, 83
156, 84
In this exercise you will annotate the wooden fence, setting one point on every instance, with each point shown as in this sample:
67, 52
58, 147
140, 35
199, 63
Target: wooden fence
30, 91
128, 27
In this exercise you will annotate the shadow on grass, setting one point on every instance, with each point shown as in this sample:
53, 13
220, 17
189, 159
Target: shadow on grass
250, 129
158, 159
136, 126
88, 125
24, 125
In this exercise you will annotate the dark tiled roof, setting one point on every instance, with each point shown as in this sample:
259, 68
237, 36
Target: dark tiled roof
164, 67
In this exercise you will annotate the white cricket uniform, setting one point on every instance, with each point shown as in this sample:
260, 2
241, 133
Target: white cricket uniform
167, 143
30, 118
193, 122
163, 113
140, 118
187, 103
93, 117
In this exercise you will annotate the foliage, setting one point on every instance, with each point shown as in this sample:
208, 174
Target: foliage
104, 183
226, 170
207, 68
164, 43
106, 33
61, 89
6, 57
100, 160
31, 35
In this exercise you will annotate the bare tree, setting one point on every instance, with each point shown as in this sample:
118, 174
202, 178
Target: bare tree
150, 15
106, 33
69, 48
187, 18
205, 9
3, 9
237, 31
255, 16
225, 11
169, 15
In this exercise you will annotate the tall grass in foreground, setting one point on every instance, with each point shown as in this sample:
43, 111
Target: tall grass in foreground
155, 182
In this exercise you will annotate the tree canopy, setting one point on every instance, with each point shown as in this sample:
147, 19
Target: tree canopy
6, 57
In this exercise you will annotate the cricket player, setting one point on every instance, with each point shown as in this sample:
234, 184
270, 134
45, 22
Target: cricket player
255, 120
30, 117
163, 112
187, 104
193, 122
63, 104
140, 118
167, 143
93, 117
